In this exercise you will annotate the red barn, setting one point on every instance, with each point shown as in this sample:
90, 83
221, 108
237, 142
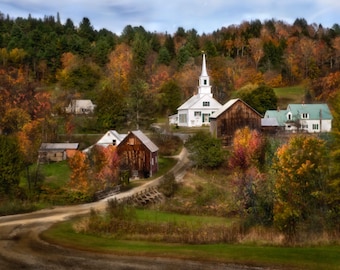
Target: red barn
138, 154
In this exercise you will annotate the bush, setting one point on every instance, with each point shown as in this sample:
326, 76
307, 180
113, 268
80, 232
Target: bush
168, 185
205, 151
168, 144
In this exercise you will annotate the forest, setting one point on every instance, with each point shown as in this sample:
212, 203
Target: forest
44, 64
138, 77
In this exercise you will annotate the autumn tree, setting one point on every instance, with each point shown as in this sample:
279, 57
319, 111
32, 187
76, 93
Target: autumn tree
79, 178
301, 180
119, 67
256, 49
95, 171
333, 196
104, 163
252, 195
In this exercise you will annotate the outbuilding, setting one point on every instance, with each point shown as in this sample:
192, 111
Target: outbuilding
55, 152
138, 154
233, 115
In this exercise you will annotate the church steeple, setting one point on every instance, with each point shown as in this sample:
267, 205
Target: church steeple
204, 86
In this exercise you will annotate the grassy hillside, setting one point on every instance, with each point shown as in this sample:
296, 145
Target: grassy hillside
292, 94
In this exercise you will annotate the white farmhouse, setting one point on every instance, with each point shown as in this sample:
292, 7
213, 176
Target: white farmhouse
196, 111
311, 118
111, 137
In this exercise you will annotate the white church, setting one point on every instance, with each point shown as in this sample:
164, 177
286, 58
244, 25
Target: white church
196, 111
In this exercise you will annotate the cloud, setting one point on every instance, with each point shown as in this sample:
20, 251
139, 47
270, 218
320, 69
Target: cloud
167, 15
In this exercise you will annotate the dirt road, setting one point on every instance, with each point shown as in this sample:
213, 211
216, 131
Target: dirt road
21, 247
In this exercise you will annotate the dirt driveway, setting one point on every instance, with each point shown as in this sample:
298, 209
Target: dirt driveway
21, 247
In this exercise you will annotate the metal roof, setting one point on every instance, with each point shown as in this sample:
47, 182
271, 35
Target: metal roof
227, 105
59, 146
315, 111
145, 140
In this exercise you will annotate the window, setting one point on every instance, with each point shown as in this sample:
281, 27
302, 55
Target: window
289, 116
304, 116
315, 126
205, 82
182, 118
131, 141
206, 103
197, 113
206, 118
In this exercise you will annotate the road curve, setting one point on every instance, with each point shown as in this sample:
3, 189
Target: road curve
22, 248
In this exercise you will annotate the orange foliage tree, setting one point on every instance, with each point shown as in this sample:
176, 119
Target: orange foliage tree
246, 160
79, 179
95, 171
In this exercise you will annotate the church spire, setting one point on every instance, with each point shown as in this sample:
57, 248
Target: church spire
204, 86
204, 67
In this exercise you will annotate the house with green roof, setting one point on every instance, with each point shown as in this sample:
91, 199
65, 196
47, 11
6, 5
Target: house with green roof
311, 118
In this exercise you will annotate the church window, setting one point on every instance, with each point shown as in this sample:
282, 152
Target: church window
205, 82
206, 103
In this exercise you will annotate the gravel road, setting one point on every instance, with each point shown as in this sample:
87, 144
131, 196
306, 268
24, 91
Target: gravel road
22, 248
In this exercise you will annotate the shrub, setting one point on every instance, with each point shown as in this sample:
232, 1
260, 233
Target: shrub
168, 185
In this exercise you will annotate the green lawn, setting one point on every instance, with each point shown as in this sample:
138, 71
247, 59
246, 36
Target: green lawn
57, 174
159, 216
323, 257
286, 95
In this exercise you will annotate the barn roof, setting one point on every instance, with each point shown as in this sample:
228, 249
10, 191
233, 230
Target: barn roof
228, 105
145, 140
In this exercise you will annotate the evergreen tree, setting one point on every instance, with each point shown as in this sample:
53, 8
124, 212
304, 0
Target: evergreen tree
11, 165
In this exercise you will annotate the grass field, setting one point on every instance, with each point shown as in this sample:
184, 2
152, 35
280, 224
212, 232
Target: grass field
320, 257
57, 174
286, 95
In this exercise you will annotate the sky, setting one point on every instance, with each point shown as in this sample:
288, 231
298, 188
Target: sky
205, 16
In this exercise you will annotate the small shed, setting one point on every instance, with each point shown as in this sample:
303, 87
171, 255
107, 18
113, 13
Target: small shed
55, 152
269, 125
233, 115
138, 154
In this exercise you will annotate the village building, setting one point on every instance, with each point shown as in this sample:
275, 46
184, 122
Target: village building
138, 154
111, 137
196, 111
80, 106
233, 115
55, 152
311, 118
